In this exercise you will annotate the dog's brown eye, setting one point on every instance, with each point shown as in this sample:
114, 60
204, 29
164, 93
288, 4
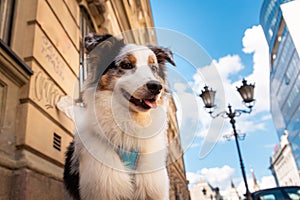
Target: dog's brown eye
127, 65
154, 68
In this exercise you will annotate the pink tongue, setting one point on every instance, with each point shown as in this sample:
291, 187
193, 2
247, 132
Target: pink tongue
151, 104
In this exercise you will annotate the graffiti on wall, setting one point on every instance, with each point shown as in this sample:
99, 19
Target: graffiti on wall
45, 90
52, 57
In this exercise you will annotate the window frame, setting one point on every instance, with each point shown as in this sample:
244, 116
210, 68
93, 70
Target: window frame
6, 19
86, 26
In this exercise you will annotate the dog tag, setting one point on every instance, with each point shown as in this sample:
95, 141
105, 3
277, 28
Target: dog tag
129, 158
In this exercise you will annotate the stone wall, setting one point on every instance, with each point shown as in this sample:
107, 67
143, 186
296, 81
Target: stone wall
42, 64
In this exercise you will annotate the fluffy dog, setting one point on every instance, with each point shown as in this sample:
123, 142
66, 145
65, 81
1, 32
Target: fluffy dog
120, 146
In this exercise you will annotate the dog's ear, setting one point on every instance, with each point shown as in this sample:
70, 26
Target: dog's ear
93, 39
162, 54
101, 51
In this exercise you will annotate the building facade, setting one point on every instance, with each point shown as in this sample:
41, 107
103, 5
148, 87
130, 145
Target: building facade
202, 190
233, 193
283, 164
42, 59
256, 186
282, 31
176, 169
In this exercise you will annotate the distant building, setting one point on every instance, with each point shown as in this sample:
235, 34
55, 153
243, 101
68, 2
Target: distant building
283, 164
202, 190
41, 57
255, 184
231, 193
279, 19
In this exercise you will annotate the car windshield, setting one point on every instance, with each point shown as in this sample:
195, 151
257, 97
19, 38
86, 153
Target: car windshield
279, 194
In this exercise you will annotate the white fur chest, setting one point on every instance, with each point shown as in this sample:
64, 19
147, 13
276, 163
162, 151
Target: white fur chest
101, 168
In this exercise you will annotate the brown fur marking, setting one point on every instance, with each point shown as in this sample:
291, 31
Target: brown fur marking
151, 60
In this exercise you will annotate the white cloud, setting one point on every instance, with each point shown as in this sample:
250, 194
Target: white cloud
193, 177
267, 182
254, 43
228, 65
264, 183
216, 176
231, 65
222, 176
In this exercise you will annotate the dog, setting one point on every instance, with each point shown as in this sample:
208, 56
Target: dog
119, 150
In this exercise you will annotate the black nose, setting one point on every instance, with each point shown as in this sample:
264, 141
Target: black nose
154, 87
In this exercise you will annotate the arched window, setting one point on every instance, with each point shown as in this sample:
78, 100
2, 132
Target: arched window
86, 27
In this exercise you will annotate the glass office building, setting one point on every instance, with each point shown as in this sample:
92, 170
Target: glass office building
270, 15
278, 22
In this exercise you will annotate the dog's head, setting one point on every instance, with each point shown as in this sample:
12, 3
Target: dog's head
136, 74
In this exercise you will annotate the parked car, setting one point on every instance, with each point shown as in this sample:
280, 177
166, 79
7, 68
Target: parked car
279, 193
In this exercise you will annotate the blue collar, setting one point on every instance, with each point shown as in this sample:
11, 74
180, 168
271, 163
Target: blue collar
129, 158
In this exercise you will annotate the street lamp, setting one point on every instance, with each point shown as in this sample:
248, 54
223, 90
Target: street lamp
247, 92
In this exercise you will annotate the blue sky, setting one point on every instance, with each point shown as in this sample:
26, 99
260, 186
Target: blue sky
228, 32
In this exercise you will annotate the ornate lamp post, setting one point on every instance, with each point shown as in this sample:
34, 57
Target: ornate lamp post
246, 91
